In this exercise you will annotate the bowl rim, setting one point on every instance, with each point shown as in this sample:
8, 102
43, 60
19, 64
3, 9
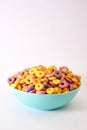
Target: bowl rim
45, 94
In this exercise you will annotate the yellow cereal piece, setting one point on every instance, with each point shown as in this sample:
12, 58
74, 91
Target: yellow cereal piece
25, 73
65, 90
39, 74
20, 77
56, 81
39, 87
52, 67
22, 81
32, 71
50, 90
14, 85
57, 90
70, 74
75, 80
27, 81
52, 78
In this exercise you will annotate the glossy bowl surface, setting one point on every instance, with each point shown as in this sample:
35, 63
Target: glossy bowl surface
44, 101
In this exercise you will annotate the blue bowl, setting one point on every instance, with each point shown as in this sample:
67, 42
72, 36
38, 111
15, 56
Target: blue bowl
44, 101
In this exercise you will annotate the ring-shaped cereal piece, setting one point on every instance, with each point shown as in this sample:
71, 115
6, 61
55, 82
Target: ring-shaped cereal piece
56, 81
57, 74
11, 80
50, 90
64, 84
57, 90
39, 74
39, 87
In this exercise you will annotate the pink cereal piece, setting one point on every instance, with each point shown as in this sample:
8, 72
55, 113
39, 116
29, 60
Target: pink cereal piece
11, 80
45, 84
40, 92
57, 74
32, 91
64, 84
69, 80
49, 75
49, 86
52, 84
29, 88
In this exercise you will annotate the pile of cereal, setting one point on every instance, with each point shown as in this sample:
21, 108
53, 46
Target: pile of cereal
45, 80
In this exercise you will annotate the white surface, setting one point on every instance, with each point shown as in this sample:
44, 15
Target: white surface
43, 32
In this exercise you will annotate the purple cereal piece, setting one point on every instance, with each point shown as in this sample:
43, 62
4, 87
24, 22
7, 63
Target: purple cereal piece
57, 74
32, 91
64, 84
29, 88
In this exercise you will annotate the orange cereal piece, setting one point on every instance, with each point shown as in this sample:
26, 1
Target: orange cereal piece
44, 80
65, 90
63, 75
42, 68
57, 90
19, 87
75, 80
79, 78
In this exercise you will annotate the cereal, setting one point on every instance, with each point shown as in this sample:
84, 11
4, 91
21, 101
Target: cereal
40, 92
39, 87
45, 80
50, 90
57, 90
39, 74
56, 81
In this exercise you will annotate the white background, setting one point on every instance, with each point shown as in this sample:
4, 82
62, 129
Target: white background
46, 32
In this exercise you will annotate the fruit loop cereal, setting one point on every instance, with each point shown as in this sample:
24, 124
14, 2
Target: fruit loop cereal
43, 80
